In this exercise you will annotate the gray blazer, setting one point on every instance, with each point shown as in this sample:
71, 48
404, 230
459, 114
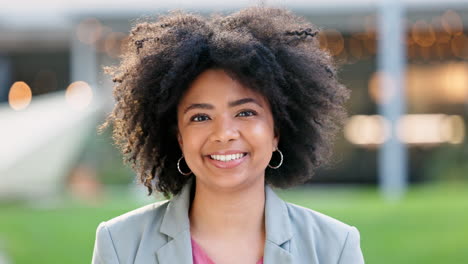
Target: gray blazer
159, 233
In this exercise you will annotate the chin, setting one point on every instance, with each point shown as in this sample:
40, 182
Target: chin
229, 182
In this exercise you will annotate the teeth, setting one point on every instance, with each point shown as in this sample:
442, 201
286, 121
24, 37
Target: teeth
227, 157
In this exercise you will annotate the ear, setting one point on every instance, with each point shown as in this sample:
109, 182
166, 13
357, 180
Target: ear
179, 139
275, 141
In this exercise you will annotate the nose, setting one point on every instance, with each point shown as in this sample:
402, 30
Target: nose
224, 130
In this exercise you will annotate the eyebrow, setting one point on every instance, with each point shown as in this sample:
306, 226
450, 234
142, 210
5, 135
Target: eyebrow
230, 104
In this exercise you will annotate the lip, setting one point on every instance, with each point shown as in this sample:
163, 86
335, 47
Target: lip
227, 164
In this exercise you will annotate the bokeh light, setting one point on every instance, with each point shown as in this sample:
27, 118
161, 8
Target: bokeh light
430, 129
375, 87
442, 36
113, 44
89, 31
452, 81
452, 23
423, 34
20, 95
79, 95
334, 40
367, 130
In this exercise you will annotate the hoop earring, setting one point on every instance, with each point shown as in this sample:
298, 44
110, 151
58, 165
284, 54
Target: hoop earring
178, 167
281, 161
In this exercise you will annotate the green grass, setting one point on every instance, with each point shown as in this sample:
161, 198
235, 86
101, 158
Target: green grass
430, 225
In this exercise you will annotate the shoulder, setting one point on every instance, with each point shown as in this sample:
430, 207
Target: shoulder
135, 219
330, 238
127, 235
303, 217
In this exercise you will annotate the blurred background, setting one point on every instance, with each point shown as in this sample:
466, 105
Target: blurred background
400, 170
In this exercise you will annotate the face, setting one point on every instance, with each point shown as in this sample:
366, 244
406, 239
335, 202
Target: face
226, 132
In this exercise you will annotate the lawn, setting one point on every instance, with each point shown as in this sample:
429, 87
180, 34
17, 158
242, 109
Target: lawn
430, 225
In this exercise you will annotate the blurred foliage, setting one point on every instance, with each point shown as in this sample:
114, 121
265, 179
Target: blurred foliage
447, 163
427, 226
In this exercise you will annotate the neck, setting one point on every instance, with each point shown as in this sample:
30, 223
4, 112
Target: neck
229, 215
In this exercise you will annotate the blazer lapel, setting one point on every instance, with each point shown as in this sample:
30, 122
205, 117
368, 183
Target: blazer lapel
176, 226
178, 250
278, 230
276, 254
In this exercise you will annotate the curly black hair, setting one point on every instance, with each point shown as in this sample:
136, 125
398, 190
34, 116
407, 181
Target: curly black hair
270, 50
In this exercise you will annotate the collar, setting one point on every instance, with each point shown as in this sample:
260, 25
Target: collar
176, 225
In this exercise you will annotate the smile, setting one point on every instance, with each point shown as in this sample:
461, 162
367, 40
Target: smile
228, 161
228, 157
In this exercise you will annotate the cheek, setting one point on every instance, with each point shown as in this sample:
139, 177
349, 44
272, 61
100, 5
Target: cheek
260, 130
261, 134
261, 139
192, 142
190, 151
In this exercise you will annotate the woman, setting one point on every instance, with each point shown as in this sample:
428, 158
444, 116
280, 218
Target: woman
213, 112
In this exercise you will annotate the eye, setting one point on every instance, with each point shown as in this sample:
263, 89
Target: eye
199, 118
245, 113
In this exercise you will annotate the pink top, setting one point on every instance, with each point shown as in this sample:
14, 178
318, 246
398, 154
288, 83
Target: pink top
200, 257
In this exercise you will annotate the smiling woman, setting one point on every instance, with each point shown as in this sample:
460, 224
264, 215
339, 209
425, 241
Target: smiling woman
214, 112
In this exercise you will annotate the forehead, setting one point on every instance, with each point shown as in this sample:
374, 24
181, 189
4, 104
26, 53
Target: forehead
216, 86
